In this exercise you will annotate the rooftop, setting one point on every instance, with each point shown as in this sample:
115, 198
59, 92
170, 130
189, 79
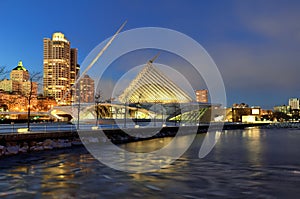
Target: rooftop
20, 67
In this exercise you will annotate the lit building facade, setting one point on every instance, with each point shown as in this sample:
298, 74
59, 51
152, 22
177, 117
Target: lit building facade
282, 109
294, 103
59, 61
202, 96
16, 102
243, 113
9, 85
87, 89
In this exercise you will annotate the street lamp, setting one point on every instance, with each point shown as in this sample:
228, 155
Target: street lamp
125, 113
97, 102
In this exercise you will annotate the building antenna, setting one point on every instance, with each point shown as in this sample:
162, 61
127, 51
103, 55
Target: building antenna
154, 58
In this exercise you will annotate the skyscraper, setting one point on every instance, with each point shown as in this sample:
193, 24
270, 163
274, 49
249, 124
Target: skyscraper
60, 68
74, 71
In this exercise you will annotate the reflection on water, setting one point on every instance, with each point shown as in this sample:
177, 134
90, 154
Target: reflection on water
141, 157
251, 163
254, 144
209, 142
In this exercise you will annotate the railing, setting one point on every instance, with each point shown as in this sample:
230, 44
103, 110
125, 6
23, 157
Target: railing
67, 127
43, 127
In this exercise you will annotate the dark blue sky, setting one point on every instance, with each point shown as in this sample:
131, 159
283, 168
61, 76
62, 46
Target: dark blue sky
255, 44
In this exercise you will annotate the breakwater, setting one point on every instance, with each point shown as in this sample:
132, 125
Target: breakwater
14, 143
279, 125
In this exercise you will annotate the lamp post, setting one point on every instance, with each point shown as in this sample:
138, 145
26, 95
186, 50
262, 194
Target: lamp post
125, 113
175, 114
138, 105
97, 101
162, 114
155, 102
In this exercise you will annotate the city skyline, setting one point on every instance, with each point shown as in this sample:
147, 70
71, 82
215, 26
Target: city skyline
254, 44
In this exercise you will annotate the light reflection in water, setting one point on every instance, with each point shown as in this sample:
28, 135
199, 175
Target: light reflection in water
248, 145
209, 142
254, 145
142, 156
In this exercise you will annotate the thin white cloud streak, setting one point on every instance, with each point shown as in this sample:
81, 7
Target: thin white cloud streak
267, 56
251, 67
278, 21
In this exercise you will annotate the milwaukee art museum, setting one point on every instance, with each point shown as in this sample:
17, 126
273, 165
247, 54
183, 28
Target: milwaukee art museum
150, 97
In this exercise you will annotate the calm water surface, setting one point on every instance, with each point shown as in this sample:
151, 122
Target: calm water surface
244, 164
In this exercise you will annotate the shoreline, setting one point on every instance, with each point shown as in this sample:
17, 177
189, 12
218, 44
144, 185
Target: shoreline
18, 143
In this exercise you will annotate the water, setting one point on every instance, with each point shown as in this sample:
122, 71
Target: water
244, 164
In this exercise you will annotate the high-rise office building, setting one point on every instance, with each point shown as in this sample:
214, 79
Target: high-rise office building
60, 68
19, 73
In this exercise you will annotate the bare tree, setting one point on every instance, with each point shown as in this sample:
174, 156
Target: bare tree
3, 72
34, 77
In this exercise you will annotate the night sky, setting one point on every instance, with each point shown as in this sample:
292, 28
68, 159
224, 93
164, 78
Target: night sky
255, 44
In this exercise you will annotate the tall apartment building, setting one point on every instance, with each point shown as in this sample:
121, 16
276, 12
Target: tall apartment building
87, 88
202, 96
74, 72
60, 68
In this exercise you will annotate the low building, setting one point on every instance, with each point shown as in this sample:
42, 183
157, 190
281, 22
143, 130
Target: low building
282, 109
202, 96
243, 113
16, 102
9, 85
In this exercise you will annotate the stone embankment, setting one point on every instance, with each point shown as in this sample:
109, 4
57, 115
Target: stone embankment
25, 147
12, 144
